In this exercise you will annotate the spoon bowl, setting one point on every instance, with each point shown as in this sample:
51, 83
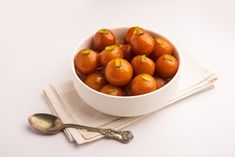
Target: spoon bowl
45, 123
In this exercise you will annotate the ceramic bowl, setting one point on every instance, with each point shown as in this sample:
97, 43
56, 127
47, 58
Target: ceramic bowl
124, 106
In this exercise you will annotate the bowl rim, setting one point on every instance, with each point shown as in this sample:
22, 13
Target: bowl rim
75, 51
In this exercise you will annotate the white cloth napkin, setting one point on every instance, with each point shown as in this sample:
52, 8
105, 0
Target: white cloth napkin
66, 103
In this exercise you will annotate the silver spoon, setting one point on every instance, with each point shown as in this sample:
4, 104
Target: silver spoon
50, 124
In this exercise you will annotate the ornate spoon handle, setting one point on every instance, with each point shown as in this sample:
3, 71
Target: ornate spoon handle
121, 136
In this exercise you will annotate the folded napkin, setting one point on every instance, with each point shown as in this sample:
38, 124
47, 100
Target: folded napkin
66, 103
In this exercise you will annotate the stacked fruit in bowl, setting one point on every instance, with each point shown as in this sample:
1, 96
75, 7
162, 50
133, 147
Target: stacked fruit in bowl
137, 64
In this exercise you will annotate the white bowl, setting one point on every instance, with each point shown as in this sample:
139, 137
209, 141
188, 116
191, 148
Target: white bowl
124, 106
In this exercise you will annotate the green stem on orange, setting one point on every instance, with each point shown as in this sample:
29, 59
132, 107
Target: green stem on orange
143, 58
169, 57
111, 47
118, 63
111, 90
160, 41
86, 52
138, 31
146, 78
104, 31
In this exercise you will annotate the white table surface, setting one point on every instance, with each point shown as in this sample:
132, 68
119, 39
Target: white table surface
36, 42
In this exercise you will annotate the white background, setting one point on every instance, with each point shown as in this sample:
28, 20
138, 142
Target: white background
36, 42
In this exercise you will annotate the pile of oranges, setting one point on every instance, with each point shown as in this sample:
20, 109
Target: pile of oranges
139, 64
